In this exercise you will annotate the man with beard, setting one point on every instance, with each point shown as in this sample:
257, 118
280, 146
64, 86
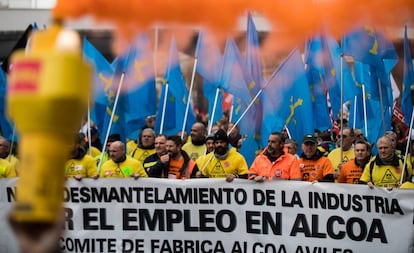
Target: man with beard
196, 147
224, 162
273, 163
177, 165
81, 164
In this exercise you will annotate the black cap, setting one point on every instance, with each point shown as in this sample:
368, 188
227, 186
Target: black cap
114, 137
221, 135
309, 138
210, 137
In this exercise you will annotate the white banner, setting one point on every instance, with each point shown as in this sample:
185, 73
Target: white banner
211, 215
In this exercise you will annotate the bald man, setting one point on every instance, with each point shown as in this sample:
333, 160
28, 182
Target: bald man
121, 165
197, 146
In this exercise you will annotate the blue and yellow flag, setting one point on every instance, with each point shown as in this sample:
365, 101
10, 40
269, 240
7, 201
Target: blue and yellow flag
104, 92
209, 66
6, 126
287, 100
323, 57
408, 81
139, 92
252, 144
173, 111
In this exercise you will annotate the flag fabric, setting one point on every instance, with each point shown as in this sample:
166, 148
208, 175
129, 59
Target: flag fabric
209, 58
322, 120
6, 126
176, 98
104, 92
362, 44
367, 76
369, 46
234, 78
315, 58
253, 64
408, 81
209, 66
325, 56
139, 91
287, 100
375, 123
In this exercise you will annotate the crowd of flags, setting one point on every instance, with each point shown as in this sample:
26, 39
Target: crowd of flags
306, 92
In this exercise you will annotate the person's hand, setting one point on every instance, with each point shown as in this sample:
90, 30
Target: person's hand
314, 181
96, 176
135, 176
78, 177
165, 158
370, 185
230, 177
198, 174
259, 179
38, 237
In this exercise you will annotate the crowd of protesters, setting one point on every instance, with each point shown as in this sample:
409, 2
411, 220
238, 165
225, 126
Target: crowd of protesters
343, 156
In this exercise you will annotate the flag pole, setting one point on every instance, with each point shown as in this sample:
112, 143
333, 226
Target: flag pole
247, 109
187, 108
88, 132
354, 112
364, 104
121, 81
164, 105
12, 142
407, 147
382, 104
342, 108
214, 110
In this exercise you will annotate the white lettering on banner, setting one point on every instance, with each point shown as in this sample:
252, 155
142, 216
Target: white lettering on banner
211, 215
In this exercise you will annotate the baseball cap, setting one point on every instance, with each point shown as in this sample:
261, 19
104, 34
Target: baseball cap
309, 138
210, 137
221, 135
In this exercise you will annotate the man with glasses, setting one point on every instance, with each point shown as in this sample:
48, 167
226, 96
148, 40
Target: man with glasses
344, 152
359, 136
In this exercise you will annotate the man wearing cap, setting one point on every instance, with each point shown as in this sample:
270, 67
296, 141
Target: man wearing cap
313, 165
273, 163
224, 162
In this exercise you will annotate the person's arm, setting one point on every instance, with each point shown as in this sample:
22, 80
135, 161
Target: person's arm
328, 178
160, 166
328, 175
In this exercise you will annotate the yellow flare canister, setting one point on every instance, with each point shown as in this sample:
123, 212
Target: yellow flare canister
49, 86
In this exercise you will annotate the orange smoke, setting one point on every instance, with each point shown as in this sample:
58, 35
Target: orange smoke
291, 21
